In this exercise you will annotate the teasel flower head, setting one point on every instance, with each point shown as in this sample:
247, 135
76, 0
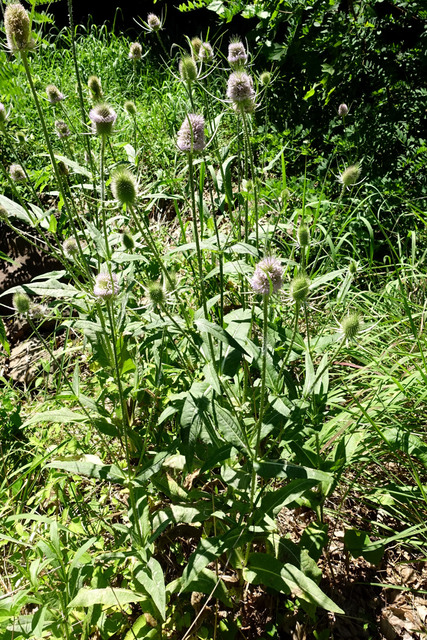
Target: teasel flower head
62, 168
20, 137
103, 118
70, 248
191, 136
299, 288
128, 241
188, 69
130, 108
54, 95
17, 173
62, 130
123, 186
135, 51
21, 302
342, 110
106, 285
303, 236
268, 276
265, 78
196, 43
237, 56
206, 52
352, 268
17, 28
350, 326
350, 176
240, 87
3, 114
156, 293
245, 106
154, 22
94, 84
4, 216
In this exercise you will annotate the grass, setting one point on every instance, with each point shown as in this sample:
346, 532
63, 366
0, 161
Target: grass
184, 409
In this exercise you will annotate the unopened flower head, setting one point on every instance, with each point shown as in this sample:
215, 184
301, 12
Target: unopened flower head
352, 267
351, 175
191, 136
156, 293
240, 87
20, 137
70, 248
94, 84
62, 168
54, 95
188, 69
196, 43
237, 56
21, 302
205, 51
103, 118
342, 110
62, 130
265, 78
3, 114
106, 285
268, 277
135, 51
130, 108
4, 216
299, 288
153, 22
128, 241
123, 186
17, 27
17, 173
303, 236
245, 106
350, 326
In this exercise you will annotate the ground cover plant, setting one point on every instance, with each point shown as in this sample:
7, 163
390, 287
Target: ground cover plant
224, 426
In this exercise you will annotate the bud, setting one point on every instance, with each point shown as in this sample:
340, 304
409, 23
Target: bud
62, 168
4, 216
20, 137
3, 114
240, 87
196, 43
299, 288
191, 136
123, 186
94, 84
268, 277
103, 118
342, 110
156, 293
135, 51
188, 69
62, 130
17, 173
17, 27
54, 95
350, 326
303, 236
352, 267
153, 22
70, 248
265, 78
205, 51
350, 176
130, 108
128, 241
21, 302
106, 285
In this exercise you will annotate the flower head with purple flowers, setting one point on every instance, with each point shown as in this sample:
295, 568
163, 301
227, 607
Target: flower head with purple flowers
268, 277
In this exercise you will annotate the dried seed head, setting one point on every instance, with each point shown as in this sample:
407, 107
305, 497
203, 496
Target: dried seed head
17, 27
205, 51
342, 110
191, 136
135, 51
106, 285
153, 22
54, 95
94, 84
265, 78
130, 108
3, 114
240, 87
237, 56
21, 302
268, 277
350, 176
350, 326
70, 248
299, 288
156, 293
188, 69
196, 43
128, 241
17, 173
103, 118
303, 236
62, 130
123, 186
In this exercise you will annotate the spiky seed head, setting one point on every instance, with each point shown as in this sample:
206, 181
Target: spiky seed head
3, 114
240, 87
156, 293
188, 69
4, 216
352, 267
265, 78
268, 277
350, 176
191, 136
21, 302
153, 22
299, 288
17, 173
350, 326
62, 130
128, 241
94, 84
54, 95
130, 108
103, 118
237, 56
106, 285
17, 27
135, 51
342, 110
123, 186
70, 248
196, 43
303, 236
205, 51
62, 168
